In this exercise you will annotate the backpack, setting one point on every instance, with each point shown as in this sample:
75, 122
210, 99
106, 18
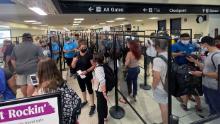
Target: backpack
109, 77
165, 84
70, 104
212, 59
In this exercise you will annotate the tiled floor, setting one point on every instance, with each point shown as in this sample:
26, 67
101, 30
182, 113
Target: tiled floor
145, 105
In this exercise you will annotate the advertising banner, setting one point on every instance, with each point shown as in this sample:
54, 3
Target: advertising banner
39, 110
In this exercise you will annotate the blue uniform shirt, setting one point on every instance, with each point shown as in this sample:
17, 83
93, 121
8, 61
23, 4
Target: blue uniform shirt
55, 48
187, 49
69, 46
5, 91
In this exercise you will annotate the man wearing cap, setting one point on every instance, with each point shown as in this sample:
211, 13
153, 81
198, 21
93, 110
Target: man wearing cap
69, 49
209, 73
25, 57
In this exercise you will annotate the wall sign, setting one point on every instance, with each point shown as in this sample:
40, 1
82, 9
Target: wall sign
94, 7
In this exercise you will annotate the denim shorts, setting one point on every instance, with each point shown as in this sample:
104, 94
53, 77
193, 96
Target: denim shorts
160, 96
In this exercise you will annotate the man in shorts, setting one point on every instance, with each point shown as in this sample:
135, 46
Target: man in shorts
25, 57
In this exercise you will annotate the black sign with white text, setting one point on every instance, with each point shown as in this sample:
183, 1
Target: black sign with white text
82, 7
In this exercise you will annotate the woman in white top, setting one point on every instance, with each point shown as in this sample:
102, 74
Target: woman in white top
99, 84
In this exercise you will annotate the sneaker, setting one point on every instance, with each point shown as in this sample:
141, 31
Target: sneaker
84, 104
92, 110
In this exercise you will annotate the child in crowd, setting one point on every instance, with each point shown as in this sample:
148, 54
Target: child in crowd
100, 88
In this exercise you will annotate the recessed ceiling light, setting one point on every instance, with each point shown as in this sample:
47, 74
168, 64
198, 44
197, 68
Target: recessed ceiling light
120, 19
77, 22
4, 26
66, 29
111, 21
139, 20
36, 23
79, 19
38, 10
153, 18
30, 21
102, 23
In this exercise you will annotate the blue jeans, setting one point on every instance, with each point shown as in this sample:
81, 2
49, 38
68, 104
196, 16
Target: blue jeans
212, 99
132, 76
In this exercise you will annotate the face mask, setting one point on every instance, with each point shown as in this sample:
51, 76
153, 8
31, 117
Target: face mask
83, 50
185, 42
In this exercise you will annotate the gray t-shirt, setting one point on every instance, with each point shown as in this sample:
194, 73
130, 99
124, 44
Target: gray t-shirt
26, 56
209, 67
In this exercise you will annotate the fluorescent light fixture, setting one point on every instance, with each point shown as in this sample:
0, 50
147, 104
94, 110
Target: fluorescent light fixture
102, 23
36, 23
66, 29
38, 10
139, 20
120, 19
153, 18
111, 21
4, 26
77, 22
44, 25
30, 21
79, 19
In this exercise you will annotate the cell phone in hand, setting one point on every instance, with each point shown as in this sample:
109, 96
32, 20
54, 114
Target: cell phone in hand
34, 80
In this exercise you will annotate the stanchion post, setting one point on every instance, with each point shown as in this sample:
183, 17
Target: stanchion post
116, 111
97, 42
50, 47
64, 64
145, 85
60, 55
219, 76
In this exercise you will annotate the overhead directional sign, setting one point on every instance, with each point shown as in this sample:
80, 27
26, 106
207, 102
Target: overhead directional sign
92, 7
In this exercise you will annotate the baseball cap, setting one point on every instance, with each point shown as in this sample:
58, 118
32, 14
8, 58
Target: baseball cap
27, 35
67, 38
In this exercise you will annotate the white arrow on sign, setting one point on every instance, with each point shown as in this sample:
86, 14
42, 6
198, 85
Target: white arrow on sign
144, 9
90, 9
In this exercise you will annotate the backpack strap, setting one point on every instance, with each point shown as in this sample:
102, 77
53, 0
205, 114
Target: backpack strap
212, 59
166, 61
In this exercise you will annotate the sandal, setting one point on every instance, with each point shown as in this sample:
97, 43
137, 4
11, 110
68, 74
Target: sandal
121, 100
198, 108
184, 107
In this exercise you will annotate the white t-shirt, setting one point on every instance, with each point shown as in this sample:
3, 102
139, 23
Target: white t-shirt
151, 51
160, 66
98, 78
